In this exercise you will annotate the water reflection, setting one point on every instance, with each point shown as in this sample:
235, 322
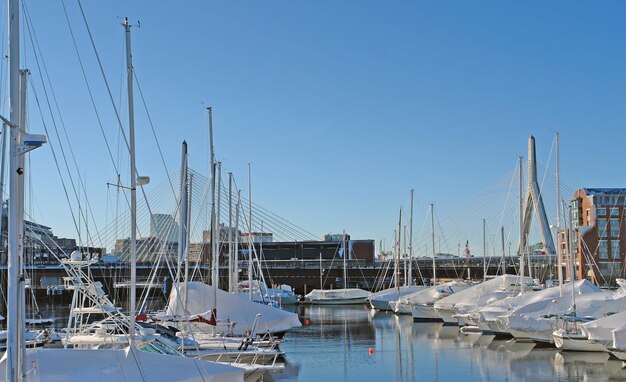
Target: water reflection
335, 344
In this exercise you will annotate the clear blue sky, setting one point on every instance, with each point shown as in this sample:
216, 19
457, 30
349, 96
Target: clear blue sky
343, 106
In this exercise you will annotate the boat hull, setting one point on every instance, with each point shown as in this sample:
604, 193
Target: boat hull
447, 316
575, 342
542, 336
425, 313
401, 308
347, 301
380, 305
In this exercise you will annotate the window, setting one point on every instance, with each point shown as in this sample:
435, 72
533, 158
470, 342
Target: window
615, 250
603, 250
601, 227
614, 227
614, 211
599, 212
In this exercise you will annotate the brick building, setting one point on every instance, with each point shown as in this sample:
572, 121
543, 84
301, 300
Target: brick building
598, 239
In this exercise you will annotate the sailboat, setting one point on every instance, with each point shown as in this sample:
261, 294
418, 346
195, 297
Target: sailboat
343, 296
598, 332
586, 334
383, 300
20, 364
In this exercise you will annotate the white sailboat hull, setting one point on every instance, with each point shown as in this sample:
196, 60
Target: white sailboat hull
533, 335
425, 313
381, 305
400, 308
447, 315
346, 301
563, 342
350, 296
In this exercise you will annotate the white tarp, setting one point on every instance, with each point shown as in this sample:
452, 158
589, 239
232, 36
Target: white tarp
230, 307
44, 365
601, 330
484, 293
541, 315
509, 305
434, 293
381, 299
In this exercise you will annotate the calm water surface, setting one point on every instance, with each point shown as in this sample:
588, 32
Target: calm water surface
335, 345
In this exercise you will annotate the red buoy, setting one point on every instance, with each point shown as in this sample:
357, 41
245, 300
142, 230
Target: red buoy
306, 322
371, 351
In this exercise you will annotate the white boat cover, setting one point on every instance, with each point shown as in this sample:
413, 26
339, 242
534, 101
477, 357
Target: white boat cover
403, 290
337, 294
230, 307
388, 295
541, 315
119, 365
434, 293
509, 305
601, 330
484, 293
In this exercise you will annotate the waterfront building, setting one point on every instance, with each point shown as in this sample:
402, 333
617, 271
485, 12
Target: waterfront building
598, 239
148, 249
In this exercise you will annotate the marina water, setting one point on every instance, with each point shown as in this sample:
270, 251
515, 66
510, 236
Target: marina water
335, 346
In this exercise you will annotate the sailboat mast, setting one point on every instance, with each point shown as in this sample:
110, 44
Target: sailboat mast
503, 250
218, 207
231, 277
187, 238
321, 273
484, 250
182, 212
214, 247
559, 249
5, 131
522, 246
133, 185
432, 226
398, 240
14, 242
571, 262
345, 255
410, 272
250, 244
21, 201
236, 255
406, 276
